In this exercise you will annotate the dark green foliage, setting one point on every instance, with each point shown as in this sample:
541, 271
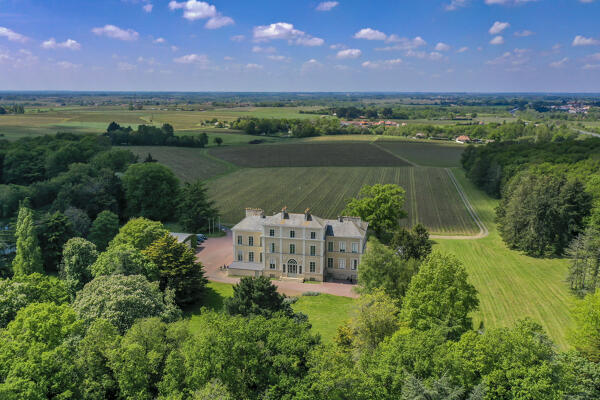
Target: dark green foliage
104, 228
115, 159
124, 259
55, 229
150, 191
177, 268
584, 271
257, 296
152, 136
413, 244
218, 141
194, 208
28, 258
80, 222
19, 292
540, 213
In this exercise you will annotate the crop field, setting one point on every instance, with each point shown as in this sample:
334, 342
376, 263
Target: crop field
425, 153
511, 285
308, 155
431, 198
189, 164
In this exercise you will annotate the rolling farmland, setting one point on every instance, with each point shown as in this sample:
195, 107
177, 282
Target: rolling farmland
309, 155
511, 285
431, 198
425, 153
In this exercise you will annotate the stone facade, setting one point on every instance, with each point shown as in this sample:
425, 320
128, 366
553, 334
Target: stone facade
298, 246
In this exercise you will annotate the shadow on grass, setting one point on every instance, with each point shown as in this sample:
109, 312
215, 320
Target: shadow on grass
211, 299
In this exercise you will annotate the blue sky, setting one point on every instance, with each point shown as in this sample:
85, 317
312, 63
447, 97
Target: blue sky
295, 45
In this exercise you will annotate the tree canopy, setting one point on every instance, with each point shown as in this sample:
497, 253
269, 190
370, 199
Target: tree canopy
29, 256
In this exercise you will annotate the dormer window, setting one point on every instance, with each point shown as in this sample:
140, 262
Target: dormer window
313, 235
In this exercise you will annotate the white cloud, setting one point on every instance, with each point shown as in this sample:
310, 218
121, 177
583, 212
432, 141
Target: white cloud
498, 27
560, 63
590, 67
462, 49
402, 43
253, 66
148, 8
524, 33
260, 49
238, 38
497, 40
456, 4
159, 40
337, 46
279, 58
585, 41
218, 22
387, 64
198, 59
228, 58
442, 47
595, 57
327, 5
508, 2
311, 65
516, 58
193, 10
285, 31
348, 53
115, 32
12, 35
125, 66
370, 34
434, 55
174, 48
67, 65
67, 44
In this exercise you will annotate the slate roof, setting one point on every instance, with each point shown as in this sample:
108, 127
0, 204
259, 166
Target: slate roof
349, 227
295, 221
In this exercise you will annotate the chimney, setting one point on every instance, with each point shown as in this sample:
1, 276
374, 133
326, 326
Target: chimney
284, 213
255, 212
307, 215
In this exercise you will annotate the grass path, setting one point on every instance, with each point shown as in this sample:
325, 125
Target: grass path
511, 285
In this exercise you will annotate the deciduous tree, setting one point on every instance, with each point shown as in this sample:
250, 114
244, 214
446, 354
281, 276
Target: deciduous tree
124, 259
78, 256
256, 296
139, 232
104, 228
29, 256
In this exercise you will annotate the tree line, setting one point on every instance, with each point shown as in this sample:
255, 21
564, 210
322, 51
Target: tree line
147, 135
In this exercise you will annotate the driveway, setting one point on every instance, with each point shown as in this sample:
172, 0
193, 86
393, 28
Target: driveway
216, 252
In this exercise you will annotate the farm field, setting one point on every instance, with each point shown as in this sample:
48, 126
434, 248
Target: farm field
189, 164
431, 199
442, 154
309, 155
511, 285
325, 312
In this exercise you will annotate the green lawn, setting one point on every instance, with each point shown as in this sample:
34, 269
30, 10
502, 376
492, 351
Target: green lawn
325, 312
511, 285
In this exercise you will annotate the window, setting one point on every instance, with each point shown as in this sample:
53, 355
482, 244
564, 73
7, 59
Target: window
355, 247
272, 264
240, 239
272, 247
330, 246
251, 256
272, 232
312, 266
292, 234
283, 267
313, 235
240, 255
313, 250
342, 263
292, 248
260, 257
354, 264
250, 240
342, 247
330, 263
299, 269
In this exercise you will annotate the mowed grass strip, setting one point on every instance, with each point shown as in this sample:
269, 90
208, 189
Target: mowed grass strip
425, 153
325, 312
189, 164
308, 155
511, 285
432, 200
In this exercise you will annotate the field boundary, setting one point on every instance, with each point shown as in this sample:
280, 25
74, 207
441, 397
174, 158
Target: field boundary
374, 143
483, 230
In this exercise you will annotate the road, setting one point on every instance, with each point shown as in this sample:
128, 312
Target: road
587, 132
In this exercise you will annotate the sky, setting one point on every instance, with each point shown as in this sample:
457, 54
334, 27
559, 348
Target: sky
297, 45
